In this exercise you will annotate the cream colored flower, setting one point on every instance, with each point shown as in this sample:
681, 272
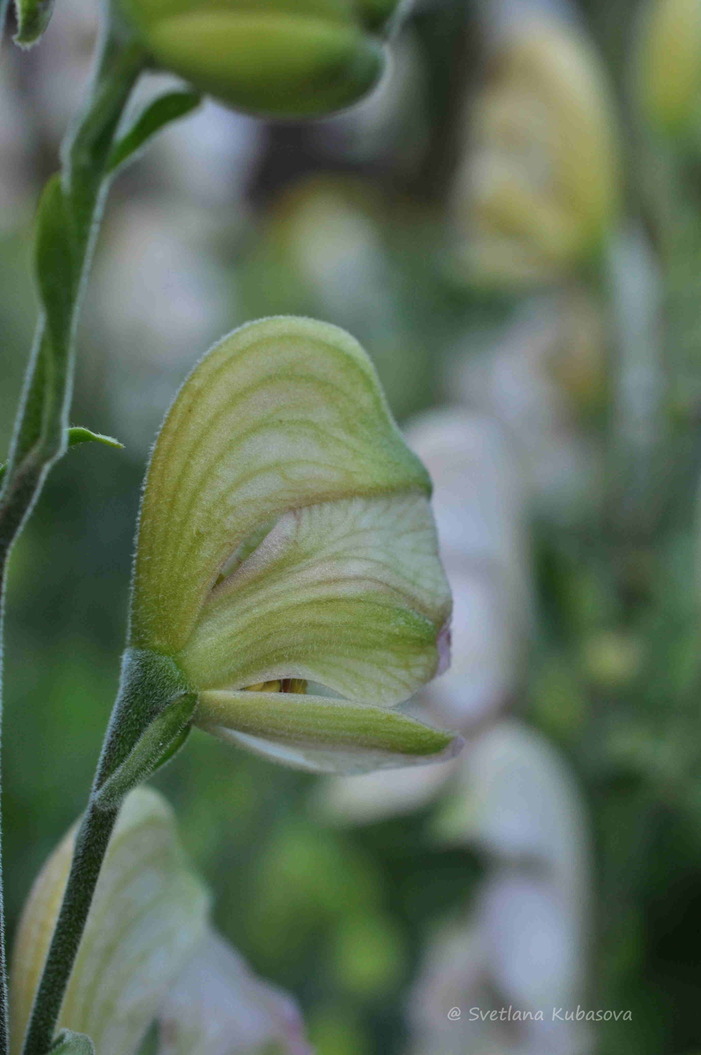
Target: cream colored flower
148, 954
287, 559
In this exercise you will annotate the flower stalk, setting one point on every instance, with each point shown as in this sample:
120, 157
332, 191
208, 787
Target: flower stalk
148, 684
68, 221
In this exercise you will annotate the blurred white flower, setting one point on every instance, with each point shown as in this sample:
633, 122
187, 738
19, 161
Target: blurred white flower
523, 944
530, 376
516, 800
209, 156
478, 507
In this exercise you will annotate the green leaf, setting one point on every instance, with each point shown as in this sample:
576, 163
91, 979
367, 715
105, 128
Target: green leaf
78, 434
33, 17
70, 1043
321, 734
162, 739
159, 113
40, 436
54, 261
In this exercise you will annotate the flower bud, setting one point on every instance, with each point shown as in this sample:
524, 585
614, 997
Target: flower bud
536, 191
284, 58
668, 67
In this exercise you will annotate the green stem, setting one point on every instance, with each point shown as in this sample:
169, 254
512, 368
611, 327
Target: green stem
41, 424
148, 683
90, 848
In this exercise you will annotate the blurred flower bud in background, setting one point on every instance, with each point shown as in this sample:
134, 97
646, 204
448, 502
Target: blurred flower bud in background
668, 65
535, 193
285, 58
539, 375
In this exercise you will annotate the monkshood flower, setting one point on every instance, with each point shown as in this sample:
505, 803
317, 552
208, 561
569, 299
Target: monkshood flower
148, 955
287, 58
286, 572
536, 192
668, 65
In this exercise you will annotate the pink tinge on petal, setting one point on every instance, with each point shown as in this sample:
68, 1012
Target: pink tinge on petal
284, 1010
443, 644
218, 1006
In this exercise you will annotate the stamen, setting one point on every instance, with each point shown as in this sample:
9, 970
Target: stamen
296, 685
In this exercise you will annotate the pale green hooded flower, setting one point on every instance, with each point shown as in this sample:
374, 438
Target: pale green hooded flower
287, 557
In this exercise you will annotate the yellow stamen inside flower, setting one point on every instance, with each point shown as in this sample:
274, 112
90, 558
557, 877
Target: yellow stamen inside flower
296, 685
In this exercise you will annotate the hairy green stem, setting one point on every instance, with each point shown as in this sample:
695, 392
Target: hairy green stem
91, 845
149, 682
41, 424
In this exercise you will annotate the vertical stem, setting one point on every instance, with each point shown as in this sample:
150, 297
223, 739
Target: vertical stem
42, 418
90, 848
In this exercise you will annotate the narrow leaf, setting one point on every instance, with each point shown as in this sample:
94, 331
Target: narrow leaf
33, 17
76, 436
54, 261
159, 113
79, 434
70, 1043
